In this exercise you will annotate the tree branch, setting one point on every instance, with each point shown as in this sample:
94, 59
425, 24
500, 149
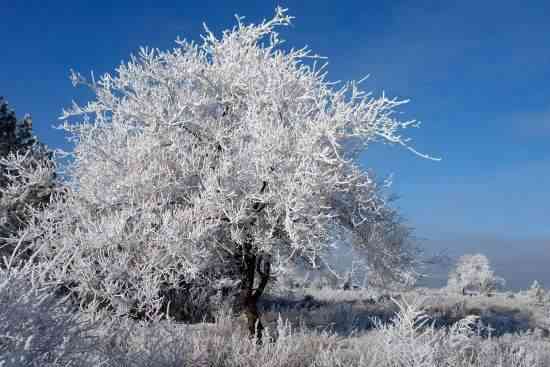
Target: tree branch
259, 206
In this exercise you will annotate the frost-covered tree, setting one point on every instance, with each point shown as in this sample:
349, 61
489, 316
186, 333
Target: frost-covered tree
536, 292
474, 273
219, 160
27, 176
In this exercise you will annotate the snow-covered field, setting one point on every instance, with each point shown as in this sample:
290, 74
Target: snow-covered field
304, 327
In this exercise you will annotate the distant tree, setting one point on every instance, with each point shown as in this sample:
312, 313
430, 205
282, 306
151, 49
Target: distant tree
11, 130
27, 176
536, 292
223, 160
473, 273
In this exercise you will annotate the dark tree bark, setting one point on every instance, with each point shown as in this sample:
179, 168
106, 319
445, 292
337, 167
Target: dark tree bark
252, 264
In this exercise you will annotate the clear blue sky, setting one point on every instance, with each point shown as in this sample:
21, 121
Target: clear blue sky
477, 74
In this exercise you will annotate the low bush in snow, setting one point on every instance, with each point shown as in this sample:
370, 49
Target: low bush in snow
36, 327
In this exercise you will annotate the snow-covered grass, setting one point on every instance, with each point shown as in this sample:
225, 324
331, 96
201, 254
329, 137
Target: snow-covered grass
407, 340
352, 311
315, 328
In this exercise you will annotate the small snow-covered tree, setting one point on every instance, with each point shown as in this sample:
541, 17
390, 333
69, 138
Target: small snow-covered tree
219, 160
27, 176
473, 273
536, 292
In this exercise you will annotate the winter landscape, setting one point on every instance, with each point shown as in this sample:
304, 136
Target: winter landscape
214, 205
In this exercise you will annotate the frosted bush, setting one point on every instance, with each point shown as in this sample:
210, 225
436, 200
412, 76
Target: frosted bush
408, 339
411, 339
36, 327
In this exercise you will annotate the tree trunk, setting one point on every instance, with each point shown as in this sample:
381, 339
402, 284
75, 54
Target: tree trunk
248, 295
252, 314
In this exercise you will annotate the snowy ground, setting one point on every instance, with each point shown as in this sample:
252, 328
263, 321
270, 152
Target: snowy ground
326, 327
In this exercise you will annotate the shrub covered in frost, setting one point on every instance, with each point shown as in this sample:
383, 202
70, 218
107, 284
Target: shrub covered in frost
36, 327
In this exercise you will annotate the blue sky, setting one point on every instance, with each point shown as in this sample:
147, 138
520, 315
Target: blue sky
477, 74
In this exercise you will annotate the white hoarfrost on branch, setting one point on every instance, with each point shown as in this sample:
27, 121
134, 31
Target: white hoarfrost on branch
221, 157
